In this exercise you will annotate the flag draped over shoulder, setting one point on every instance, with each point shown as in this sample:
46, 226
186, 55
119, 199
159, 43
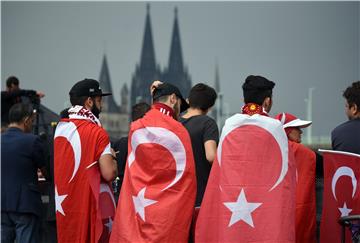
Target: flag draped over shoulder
250, 196
341, 193
85, 205
157, 197
305, 226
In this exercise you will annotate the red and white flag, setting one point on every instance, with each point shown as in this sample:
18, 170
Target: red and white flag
341, 195
85, 205
157, 196
250, 195
305, 217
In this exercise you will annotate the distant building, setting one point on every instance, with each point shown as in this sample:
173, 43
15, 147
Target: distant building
114, 118
148, 70
217, 111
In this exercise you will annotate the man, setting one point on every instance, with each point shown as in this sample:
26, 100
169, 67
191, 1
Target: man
346, 137
305, 160
12, 95
158, 193
203, 132
22, 154
121, 146
84, 166
250, 192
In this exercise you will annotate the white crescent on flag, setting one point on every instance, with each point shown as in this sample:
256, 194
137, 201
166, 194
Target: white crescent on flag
165, 138
273, 126
69, 131
343, 171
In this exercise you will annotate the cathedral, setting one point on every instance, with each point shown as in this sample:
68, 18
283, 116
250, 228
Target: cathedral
115, 118
148, 70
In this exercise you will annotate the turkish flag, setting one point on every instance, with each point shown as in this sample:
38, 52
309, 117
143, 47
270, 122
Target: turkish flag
157, 197
305, 226
341, 195
250, 195
85, 205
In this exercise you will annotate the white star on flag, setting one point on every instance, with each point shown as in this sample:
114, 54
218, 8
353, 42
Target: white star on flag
241, 210
58, 201
345, 210
140, 203
109, 224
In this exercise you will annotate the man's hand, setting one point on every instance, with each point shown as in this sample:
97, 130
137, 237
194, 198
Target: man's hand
40, 94
154, 85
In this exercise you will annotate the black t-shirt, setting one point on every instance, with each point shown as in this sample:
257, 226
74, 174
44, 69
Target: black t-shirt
201, 129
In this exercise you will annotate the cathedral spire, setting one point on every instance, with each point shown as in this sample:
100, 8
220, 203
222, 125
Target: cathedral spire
217, 78
175, 58
147, 61
105, 84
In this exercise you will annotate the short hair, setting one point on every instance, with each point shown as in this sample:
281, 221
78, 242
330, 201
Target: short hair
202, 96
256, 89
12, 80
138, 110
352, 94
161, 99
75, 100
20, 111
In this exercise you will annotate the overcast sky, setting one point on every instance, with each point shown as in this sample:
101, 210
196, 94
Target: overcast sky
51, 45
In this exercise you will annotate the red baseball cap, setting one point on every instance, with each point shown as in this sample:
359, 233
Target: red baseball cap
289, 120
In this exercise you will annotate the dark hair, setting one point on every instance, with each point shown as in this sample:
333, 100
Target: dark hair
202, 96
12, 80
161, 98
138, 110
256, 89
75, 100
20, 111
352, 94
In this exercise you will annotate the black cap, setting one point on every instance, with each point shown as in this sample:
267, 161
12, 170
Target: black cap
168, 89
87, 87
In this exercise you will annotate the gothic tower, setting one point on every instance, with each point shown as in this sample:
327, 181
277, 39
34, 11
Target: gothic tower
124, 108
112, 119
109, 104
217, 111
148, 70
176, 73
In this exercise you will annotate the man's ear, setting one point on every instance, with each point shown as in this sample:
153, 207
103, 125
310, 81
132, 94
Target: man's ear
88, 103
354, 109
173, 99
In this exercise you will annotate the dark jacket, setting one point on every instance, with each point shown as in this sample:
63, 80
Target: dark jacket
346, 136
21, 155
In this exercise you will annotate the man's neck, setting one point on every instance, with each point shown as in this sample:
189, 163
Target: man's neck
15, 125
193, 112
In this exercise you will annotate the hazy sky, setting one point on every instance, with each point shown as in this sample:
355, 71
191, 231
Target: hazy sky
51, 45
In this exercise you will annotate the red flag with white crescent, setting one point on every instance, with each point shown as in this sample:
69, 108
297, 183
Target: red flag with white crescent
157, 196
305, 160
250, 195
85, 206
341, 195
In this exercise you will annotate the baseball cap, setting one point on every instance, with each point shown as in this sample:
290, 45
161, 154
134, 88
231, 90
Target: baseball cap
168, 89
289, 120
87, 87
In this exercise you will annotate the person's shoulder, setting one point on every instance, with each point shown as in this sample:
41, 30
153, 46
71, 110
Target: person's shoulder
344, 126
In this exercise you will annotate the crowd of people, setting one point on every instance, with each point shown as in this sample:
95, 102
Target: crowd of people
178, 178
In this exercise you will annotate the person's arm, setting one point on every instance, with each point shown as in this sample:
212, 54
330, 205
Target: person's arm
108, 165
211, 139
210, 150
21, 92
41, 157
